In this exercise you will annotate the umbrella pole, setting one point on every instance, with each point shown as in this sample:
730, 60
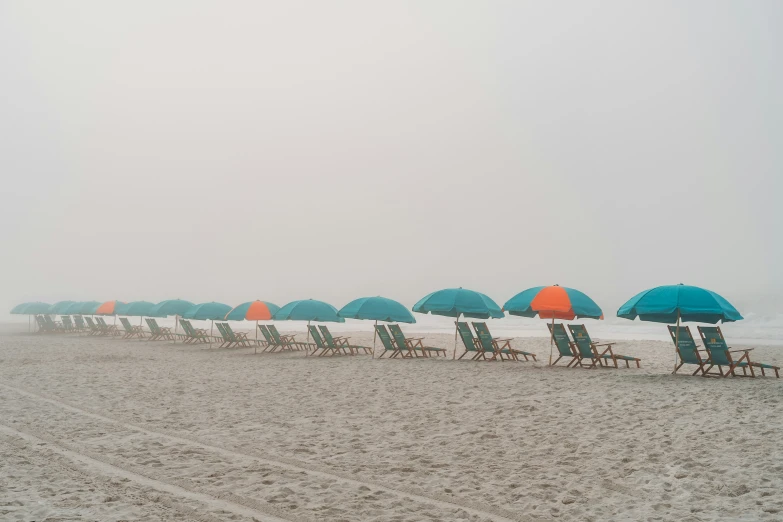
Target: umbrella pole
456, 329
308, 331
211, 329
374, 335
551, 339
29, 319
255, 350
676, 340
176, 324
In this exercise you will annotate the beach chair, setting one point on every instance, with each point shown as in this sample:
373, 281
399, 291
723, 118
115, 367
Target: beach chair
269, 342
193, 335
131, 330
413, 345
79, 323
42, 326
158, 332
565, 347
320, 345
587, 349
93, 329
472, 344
108, 329
342, 341
720, 355
67, 324
51, 326
687, 349
231, 338
285, 342
501, 346
386, 341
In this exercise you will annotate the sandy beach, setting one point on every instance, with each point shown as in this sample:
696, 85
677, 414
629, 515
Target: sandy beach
104, 429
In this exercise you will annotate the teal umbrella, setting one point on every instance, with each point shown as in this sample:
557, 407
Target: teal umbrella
74, 309
60, 307
208, 312
175, 307
140, 309
376, 309
89, 307
676, 303
19, 309
454, 302
308, 310
28, 309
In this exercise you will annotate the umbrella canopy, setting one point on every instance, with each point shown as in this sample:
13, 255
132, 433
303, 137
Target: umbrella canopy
553, 302
171, 307
207, 311
669, 304
453, 302
109, 307
308, 310
253, 311
60, 307
87, 308
376, 309
138, 309
33, 308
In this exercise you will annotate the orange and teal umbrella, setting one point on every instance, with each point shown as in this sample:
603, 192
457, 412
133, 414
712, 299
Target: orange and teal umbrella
109, 308
553, 302
253, 311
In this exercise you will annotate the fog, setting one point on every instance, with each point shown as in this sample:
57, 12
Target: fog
233, 151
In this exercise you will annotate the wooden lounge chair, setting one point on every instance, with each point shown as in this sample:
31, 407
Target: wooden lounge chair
342, 341
231, 338
501, 346
51, 325
93, 329
78, 321
720, 355
587, 349
285, 342
687, 349
413, 344
193, 335
386, 342
269, 343
131, 330
158, 332
67, 324
472, 344
322, 346
108, 329
565, 347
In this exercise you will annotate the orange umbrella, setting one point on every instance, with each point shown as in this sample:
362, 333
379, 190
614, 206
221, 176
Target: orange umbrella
253, 311
108, 308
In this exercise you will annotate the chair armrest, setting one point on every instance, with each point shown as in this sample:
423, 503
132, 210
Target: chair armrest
742, 350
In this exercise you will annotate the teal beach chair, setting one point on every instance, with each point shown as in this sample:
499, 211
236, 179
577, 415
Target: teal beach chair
565, 347
342, 341
414, 345
319, 345
687, 349
472, 345
501, 346
386, 342
587, 349
720, 355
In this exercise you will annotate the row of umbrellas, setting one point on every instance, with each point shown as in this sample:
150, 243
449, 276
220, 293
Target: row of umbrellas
663, 304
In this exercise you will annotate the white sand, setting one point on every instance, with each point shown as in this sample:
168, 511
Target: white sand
109, 430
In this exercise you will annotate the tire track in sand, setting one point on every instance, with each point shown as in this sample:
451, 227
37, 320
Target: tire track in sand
107, 466
443, 501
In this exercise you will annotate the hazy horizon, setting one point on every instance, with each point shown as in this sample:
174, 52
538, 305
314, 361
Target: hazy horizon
281, 151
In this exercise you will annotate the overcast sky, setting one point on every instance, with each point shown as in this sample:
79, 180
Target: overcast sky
233, 151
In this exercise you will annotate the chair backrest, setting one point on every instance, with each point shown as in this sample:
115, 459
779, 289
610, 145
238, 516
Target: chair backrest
316, 336
101, 322
187, 327
67, 322
466, 335
484, 337
398, 336
275, 334
266, 334
223, 333
48, 320
90, 323
230, 332
79, 321
715, 344
685, 344
41, 322
126, 324
562, 341
327, 335
582, 340
153, 324
386, 339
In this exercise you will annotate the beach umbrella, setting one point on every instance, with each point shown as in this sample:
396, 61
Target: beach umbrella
60, 307
88, 308
138, 309
553, 302
376, 309
207, 312
175, 307
253, 311
454, 302
679, 303
308, 310
108, 308
25, 309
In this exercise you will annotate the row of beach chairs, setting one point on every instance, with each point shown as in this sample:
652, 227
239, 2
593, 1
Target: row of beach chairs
584, 350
